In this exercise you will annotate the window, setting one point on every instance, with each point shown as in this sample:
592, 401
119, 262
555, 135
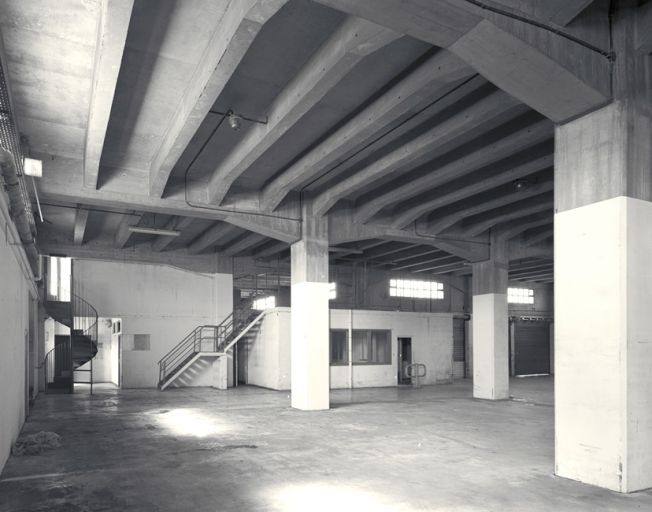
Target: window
369, 347
332, 291
59, 270
339, 347
416, 289
264, 303
520, 295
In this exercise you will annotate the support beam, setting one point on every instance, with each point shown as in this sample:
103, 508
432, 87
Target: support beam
427, 261
436, 77
177, 224
490, 325
412, 253
62, 186
354, 40
513, 229
559, 12
443, 266
271, 250
465, 211
346, 230
242, 244
123, 234
486, 155
210, 237
111, 38
232, 37
506, 214
603, 246
458, 193
310, 380
545, 76
487, 113
539, 237
81, 218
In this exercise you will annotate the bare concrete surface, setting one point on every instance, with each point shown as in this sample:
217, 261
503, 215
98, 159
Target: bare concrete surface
388, 449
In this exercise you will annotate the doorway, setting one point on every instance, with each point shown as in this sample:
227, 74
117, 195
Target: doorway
404, 360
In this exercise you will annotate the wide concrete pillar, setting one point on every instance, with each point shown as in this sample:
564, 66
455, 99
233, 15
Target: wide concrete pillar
490, 325
310, 316
603, 284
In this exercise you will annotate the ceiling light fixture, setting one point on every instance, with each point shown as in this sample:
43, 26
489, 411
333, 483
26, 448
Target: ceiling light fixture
154, 231
235, 121
521, 185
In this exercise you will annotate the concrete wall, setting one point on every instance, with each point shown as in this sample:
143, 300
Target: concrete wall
160, 301
543, 299
268, 352
14, 350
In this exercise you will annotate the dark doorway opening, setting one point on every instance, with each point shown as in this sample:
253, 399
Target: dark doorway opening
404, 360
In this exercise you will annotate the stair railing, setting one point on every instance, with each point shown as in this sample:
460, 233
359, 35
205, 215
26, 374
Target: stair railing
206, 338
85, 327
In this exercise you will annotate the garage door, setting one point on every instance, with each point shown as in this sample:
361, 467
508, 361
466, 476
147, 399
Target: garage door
531, 347
459, 340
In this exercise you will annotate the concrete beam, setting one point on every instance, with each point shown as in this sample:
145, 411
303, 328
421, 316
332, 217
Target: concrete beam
644, 28
176, 223
464, 211
354, 40
518, 251
111, 37
507, 214
271, 250
228, 44
545, 76
486, 155
210, 237
61, 184
342, 229
81, 218
485, 114
517, 227
141, 254
460, 211
559, 12
123, 234
412, 253
434, 78
428, 261
442, 268
242, 244
540, 237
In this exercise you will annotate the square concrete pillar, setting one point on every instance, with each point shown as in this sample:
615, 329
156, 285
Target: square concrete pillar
490, 326
603, 292
310, 370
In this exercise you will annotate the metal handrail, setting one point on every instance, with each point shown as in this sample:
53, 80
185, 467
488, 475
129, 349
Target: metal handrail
418, 374
194, 342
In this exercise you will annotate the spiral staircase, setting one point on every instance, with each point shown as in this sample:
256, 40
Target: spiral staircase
72, 351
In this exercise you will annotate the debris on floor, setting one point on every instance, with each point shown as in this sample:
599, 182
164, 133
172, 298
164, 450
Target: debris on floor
34, 444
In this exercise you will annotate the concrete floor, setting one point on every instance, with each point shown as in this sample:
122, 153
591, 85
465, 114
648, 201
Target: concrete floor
389, 449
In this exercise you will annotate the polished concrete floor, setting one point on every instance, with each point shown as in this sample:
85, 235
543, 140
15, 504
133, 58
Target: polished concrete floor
433, 448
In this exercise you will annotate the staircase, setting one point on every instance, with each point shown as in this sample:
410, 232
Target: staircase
206, 341
72, 351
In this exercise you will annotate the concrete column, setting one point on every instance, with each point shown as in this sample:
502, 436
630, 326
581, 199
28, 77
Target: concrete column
310, 316
603, 281
490, 325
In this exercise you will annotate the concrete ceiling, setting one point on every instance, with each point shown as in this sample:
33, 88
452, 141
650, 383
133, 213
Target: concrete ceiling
416, 153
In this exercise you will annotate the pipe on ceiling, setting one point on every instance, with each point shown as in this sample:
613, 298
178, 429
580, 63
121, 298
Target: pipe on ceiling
18, 208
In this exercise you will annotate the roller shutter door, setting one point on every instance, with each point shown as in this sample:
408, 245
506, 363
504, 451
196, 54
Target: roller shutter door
531, 347
459, 351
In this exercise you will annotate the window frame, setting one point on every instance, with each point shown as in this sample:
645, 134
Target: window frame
515, 295
431, 290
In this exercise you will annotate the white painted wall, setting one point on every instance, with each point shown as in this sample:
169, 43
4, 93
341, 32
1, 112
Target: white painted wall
268, 354
14, 328
166, 303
